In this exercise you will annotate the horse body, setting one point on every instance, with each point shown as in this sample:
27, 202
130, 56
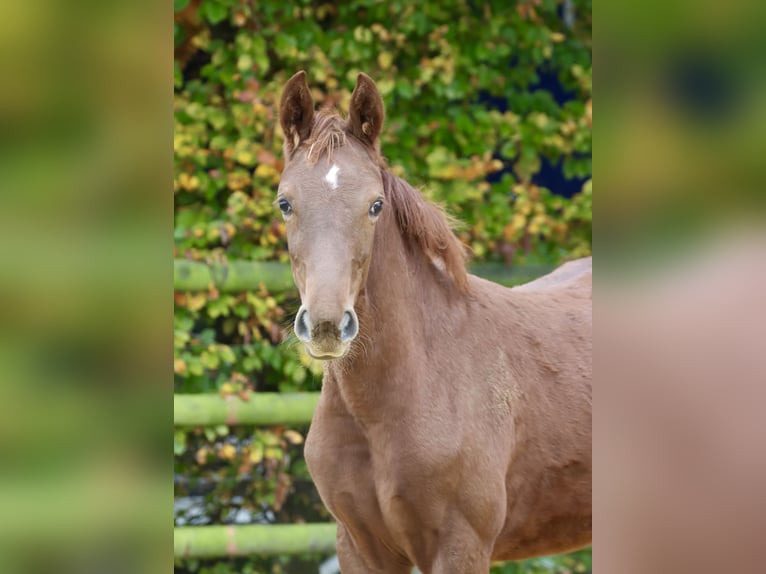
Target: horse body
478, 447
456, 428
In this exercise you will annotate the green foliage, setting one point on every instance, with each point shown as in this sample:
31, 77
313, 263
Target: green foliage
579, 562
435, 65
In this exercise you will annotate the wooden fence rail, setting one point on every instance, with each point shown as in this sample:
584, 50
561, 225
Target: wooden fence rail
246, 540
250, 539
258, 409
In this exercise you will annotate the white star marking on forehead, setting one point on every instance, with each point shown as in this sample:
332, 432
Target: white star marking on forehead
332, 176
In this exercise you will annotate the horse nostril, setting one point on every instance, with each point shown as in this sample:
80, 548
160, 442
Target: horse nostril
303, 325
349, 326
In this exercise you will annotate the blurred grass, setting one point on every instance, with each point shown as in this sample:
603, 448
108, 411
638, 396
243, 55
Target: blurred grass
85, 158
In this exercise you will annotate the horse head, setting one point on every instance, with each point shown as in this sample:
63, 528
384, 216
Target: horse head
331, 197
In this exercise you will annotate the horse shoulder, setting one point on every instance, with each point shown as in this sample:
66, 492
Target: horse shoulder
334, 444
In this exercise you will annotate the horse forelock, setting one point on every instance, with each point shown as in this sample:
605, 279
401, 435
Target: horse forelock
330, 132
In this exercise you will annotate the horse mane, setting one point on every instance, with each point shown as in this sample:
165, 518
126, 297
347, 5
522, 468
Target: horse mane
419, 221
428, 226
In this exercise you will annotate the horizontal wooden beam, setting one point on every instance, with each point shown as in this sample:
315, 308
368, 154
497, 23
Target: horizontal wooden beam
242, 275
253, 539
233, 276
259, 409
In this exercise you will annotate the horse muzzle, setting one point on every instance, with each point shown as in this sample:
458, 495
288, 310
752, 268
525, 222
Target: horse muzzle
326, 339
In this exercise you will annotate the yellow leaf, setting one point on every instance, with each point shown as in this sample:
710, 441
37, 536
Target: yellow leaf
188, 182
179, 366
293, 437
246, 158
227, 452
265, 170
244, 63
273, 453
540, 120
195, 302
385, 59
256, 453
478, 248
237, 181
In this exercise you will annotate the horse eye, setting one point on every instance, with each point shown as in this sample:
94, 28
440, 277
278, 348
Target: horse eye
375, 208
285, 207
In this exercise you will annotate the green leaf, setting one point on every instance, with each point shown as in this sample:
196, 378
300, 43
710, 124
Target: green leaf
213, 11
178, 78
179, 442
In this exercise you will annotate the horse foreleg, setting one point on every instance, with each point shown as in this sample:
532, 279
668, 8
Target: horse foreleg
461, 552
449, 563
379, 560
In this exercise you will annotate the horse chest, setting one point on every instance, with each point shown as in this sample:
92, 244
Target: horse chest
405, 483
339, 461
380, 496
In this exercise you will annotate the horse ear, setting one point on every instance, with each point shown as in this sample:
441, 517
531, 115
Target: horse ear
366, 114
296, 110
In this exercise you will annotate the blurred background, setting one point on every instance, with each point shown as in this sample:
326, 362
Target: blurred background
86, 162
681, 286
489, 111
85, 225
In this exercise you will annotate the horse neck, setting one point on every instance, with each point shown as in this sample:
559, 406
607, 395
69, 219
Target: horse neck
403, 306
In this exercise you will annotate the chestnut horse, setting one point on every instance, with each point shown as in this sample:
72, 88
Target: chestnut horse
454, 424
